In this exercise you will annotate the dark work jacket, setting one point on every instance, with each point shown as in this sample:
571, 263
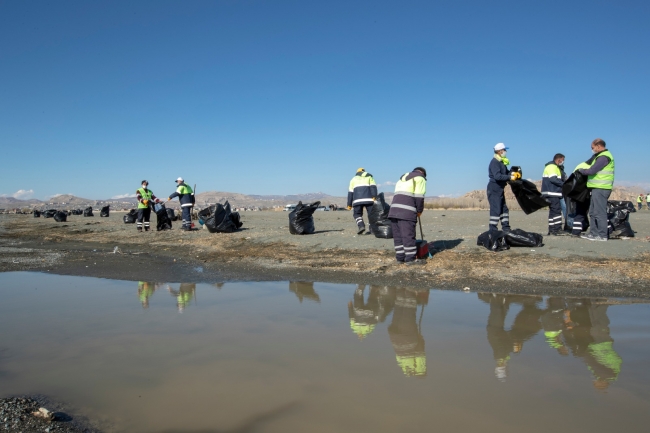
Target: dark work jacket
552, 184
498, 173
414, 202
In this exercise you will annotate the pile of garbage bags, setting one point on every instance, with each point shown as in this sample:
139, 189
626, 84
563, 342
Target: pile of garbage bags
172, 215
162, 220
301, 219
88, 212
497, 240
37, 213
60, 217
529, 198
378, 219
49, 213
105, 211
130, 217
618, 214
77, 212
220, 218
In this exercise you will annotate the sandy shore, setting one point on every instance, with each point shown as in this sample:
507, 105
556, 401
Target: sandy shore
264, 250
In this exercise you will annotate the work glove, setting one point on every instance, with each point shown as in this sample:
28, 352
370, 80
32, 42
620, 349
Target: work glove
145, 202
349, 207
168, 199
374, 199
516, 175
419, 213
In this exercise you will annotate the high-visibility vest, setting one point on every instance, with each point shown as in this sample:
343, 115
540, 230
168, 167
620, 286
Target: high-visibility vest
415, 187
184, 189
639, 199
146, 195
604, 179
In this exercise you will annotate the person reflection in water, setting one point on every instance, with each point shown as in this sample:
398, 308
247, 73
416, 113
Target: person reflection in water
145, 291
527, 323
184, 295
554, 322
365, 314
587, 336
304, 290
404, 332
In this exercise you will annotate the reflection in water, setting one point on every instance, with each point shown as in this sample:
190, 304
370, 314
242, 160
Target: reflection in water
145, 291
304, 290
184, 295
580, 326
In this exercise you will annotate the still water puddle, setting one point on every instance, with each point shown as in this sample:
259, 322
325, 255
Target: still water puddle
297, 357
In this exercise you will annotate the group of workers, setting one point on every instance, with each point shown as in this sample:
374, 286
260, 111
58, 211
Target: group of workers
599, 170
146, 199
641, 198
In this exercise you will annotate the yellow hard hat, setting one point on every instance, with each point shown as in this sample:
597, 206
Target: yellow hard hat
360, 169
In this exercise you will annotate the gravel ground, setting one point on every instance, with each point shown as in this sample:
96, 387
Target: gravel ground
264, 250
17, 415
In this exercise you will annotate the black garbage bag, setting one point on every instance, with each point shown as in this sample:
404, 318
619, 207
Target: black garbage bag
301, 219
77, 212
575, 187
380, 225
130, 217
383, 230
105, 211
37, 214
49, 213
521, 238
618, 214
162, 219
493, 240
171, 214
88, 212
219, 218
529, 198
60, 217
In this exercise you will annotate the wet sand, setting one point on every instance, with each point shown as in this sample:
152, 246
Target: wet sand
264, 250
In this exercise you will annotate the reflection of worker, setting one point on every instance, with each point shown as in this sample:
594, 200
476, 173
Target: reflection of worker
405, 335
184, 295
553, 322
145, 290
499, 176
524, 327
552, 191
304, 290
364, 315
361, 194
186, 198
406, 208
144, 196
589, 339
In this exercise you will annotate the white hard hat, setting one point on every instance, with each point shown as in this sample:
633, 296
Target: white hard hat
180, 179
500, 146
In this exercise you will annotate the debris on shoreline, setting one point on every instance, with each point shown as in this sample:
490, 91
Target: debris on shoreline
26, 414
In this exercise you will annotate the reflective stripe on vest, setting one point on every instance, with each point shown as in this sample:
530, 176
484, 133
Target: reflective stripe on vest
146, 195
412, 187
184, 189
364, 179
604, 179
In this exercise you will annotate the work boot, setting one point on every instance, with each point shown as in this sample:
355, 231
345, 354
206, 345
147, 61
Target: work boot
146, 229
415, 262
139, 229
361, 230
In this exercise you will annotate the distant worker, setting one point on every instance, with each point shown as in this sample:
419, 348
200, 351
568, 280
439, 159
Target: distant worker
580, 220
639, 201
361, 194
186, 198
499, 176
647, 200
552, 192
144, 196
600, 181
406, 208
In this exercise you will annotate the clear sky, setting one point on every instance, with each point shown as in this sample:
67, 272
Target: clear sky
282, 97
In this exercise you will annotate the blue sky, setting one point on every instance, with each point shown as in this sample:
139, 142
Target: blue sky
282, 97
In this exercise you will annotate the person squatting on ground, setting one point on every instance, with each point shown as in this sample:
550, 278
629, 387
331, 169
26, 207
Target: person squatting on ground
361, 194
600, 182
552, 192
499, 176
407, 206
580, 222
186, 198
144, 196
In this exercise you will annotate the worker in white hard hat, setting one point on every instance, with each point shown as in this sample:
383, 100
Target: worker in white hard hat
186, 198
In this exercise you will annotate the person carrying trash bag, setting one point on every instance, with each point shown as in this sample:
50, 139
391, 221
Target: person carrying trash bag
361, 194
406, 208
186, 198
145, 197
499, 176
600, 181
552, 191
580, 220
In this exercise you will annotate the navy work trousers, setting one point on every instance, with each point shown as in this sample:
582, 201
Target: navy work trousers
498, 208
143, 217
187, 217
404, 239
357, 213
554, 214
580, 221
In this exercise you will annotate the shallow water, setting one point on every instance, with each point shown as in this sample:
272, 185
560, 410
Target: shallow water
296, 357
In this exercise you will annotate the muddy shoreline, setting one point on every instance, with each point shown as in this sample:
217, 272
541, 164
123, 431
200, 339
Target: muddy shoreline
86, 247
